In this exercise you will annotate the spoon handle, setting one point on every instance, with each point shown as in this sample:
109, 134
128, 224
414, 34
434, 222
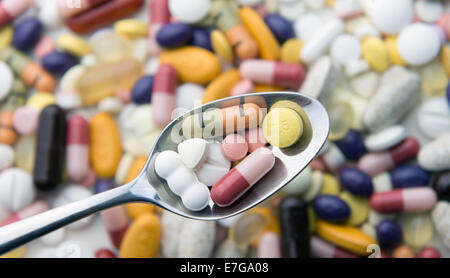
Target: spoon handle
19, 233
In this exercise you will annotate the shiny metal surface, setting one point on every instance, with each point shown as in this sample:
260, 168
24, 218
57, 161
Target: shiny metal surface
148, 187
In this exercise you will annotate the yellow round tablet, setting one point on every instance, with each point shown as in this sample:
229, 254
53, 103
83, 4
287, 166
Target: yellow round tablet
41, 100
221, 46
131, 28
330, 185
6, 35
282, 127
290, 51
391, 44
376, 53
73, 44
359, 207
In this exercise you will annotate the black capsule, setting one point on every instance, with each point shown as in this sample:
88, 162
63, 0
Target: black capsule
442, 186
50, 148
294, 228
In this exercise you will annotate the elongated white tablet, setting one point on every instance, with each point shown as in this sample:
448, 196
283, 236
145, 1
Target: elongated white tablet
386, 138
433, 117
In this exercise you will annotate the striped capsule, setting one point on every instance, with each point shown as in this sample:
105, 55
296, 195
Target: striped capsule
404, 200
50, 148
30, 72
77, 163
163, 95
159, 15
273, 73
376, 163
242, 177
30, 210
115, 219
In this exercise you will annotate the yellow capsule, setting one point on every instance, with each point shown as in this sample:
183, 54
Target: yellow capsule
434, 78
359, 207
282, 127
105, 147
6, 35
341, 118
262, 88
221, 86
136, 209
73, 45
445, 58
375, 52
330, 185
131, 28
41, 100
268, 45
14, 254
347, 237
391, 44
193, 64
142, 238
290, 51
221, 46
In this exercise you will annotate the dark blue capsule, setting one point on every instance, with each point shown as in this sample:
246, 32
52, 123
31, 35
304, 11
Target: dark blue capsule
409, 176
142, 90
27, 34
388, 232
200, 38
103, 185
58, 62
352, 145
174, 35
356, 181
331, 208
280, 27
448, 93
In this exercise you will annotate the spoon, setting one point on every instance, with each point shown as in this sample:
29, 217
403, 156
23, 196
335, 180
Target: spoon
149, 188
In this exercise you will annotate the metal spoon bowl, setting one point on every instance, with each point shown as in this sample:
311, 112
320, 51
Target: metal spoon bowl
149, 188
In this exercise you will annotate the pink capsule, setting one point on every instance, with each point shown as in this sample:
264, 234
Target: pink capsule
404, 200
32, 209
10, 9
269, 246
378, 162
77, 163
242, 177
273, 73
44, 47
159, 15
322, 249
116, 223
69, 8
242, 87
163, 95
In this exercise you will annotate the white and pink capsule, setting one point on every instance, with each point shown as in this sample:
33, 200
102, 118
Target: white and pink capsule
77, 163
30, 210
159, 15
404, 200
163, 95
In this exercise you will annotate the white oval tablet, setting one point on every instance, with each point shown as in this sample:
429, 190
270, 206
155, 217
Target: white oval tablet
16, 189
196, 197
345, 48
418, 44
392, 16
433, 117
192, 152
429, 11
7, 77
385, 139
307, 25
292, 10
189, 11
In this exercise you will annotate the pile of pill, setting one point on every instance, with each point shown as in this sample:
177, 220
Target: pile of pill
88, 86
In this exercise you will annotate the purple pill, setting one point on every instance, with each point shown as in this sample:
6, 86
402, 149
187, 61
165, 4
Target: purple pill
27, 34
58, 62
174, 35
331, 208
200, 38
280, 27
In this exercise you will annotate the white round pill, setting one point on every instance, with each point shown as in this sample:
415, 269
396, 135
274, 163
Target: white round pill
433, 117
166, 163
6, 156
429, 11
418, 44
189, 95
72, 193
307, 25
49, 15
292, 10
386, 138
141, 121
7, 77
196, 197
345, 48
392, 16
189, 11
16, 189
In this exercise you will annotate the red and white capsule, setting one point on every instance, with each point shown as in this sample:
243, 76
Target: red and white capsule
10, 9
242, 177
378, 162
163, 95
77, 163
273, 73
159, 15
322, 249
404, 200
116, 223
30, 210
